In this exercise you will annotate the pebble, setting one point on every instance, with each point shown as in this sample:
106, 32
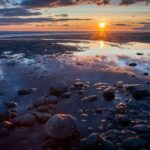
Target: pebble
108, 145
134, 142
58, 88
140, 93
45, 101
90, 98
41, 117
26, 120
109, 94
141, 128
66, 95
10, 104
132, 64
26, 91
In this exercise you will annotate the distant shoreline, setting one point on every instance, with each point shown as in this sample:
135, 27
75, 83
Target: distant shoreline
121, 37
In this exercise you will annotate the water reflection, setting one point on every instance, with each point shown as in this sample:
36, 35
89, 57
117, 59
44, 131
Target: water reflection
101, 43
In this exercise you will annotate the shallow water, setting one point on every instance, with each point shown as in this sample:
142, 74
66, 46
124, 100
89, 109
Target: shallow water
94, 61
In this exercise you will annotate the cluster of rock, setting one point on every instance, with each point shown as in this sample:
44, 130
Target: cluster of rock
126, 127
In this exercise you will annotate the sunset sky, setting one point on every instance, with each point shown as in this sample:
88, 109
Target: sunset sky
74, 15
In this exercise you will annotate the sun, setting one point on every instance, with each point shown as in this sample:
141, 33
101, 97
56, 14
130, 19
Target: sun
102, 25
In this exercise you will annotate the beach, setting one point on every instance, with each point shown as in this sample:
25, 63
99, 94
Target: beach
101, 80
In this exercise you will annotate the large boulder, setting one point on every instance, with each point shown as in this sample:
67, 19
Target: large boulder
61, 126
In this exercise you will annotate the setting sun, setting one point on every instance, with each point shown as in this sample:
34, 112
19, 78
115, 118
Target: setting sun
102, 25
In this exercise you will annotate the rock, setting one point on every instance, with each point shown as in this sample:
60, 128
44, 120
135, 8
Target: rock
58, 88
108, 145
66, 95
109, 94
13, 114
133, 103
79, 85
121, 108
123, 119
112, 135
128, 134
139, 53
141, 128
120, 84
26, 91
41, 117
5, 115
90, 98
84, 115
25, 120
10, 104
139, 94
45, 108
81, 92
4, 132
131, 87
93, 142
45, 101
134, 142
98, 110
132, 64
146, 73
61, 126
7, 124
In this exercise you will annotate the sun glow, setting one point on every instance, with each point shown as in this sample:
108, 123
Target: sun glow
102, 25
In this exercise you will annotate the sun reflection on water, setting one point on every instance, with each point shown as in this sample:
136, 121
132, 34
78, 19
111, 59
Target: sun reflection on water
101, 43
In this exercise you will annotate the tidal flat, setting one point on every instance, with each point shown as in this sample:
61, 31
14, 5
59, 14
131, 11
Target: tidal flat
75, 91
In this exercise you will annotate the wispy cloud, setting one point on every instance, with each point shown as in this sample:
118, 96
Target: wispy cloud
5, 12
20, 21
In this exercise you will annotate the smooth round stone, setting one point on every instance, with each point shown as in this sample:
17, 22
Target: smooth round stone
139, 94
41, 117
25, 120
93, 141
11, 104
66, 95
108, 145
45, 101
141, 128
58, 88
90, 98
109, 94
61, 126
84, 115
132, 64
134, 142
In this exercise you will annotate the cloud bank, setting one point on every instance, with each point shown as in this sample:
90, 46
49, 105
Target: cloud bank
57, 3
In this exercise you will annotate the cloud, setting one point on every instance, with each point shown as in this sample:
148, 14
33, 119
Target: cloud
57, 3
128, 2
3, 2
62, 15
146, 26
121, 24
21, 21
5, 12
